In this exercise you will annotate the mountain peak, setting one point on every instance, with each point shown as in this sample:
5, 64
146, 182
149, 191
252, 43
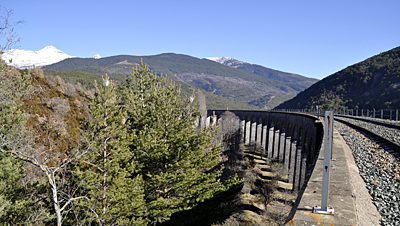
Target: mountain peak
97, 56
228, 61
27, 59
49, 47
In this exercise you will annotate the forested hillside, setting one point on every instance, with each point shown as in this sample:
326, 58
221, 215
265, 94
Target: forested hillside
213, 101
115, 154
244, 86
373, 83
295, 81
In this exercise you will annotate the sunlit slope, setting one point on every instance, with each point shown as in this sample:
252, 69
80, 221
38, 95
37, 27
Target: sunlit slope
373, 83
231, 83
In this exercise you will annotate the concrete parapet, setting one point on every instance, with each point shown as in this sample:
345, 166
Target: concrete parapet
296, 139
289, 137
340, 192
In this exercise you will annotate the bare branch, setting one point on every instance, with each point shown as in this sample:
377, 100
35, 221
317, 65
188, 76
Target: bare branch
7, 29
71, 200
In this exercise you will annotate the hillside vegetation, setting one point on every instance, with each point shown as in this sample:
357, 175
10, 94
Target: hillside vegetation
116, 155
295, 81
213, 101
244, 85
373, 83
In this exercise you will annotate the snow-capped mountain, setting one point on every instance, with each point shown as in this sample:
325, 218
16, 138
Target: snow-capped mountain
226, 61
27, 59
97, 56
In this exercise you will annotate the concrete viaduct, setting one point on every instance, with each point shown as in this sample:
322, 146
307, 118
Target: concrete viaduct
295, 139
292, 138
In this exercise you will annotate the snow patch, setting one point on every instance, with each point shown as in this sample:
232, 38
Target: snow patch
225, 61
97, 56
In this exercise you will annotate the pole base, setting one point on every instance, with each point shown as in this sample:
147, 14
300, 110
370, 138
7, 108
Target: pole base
319, 210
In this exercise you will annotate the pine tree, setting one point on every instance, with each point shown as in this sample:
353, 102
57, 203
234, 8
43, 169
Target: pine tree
17, 199
179, 166
12, 121
21, 201
114, 192
11, 173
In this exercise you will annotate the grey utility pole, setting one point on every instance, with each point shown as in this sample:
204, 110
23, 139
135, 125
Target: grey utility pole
324, 209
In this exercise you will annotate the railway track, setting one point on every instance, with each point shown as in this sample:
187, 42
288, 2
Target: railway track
383, 122
376, 150
386, 134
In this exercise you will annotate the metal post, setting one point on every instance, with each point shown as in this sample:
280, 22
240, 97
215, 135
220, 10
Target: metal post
368, 113
390, 114
374, 113
381, 113
362, 112
356, 112
324, 209
397, 114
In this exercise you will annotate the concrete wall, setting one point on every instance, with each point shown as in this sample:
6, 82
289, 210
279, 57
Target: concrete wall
292, 138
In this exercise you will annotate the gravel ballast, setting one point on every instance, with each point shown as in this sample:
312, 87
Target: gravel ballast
379, 169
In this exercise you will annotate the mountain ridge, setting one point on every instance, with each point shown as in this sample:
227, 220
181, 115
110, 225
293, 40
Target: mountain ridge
229, 82
228, 61
24, 59
263, 71
372, 83
227, 77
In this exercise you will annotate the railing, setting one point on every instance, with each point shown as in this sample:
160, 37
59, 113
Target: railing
391, 114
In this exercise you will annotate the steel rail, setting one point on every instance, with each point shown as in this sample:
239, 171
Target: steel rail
370, 121
395, 146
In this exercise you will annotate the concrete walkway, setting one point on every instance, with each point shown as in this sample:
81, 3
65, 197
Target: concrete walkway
342, 195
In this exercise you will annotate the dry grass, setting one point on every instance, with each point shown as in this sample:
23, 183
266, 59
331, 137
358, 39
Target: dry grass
265, 199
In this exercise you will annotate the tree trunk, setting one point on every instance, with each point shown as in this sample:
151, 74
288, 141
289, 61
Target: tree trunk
55, 201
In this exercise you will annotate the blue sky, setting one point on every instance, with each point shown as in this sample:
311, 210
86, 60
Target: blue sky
311, 38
